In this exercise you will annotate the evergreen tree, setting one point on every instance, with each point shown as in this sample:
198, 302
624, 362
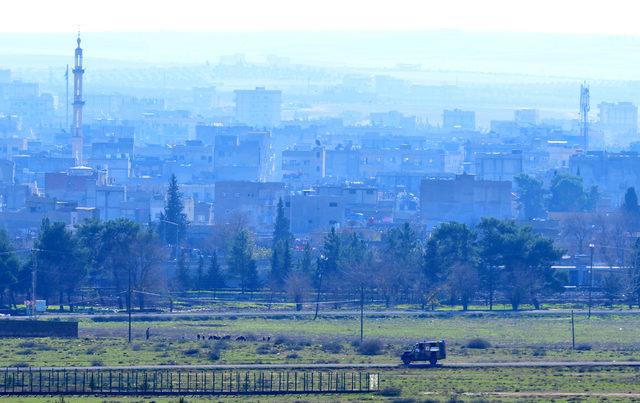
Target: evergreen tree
199, 281
530, 196
215, 277
252, 282
630, 204
173, 221
60, 260
567, 193
183, 276
280, 249
331, 250
305, 262
240, 261
9, 268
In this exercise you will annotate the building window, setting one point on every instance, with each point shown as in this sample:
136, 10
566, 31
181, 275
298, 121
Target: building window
333, 204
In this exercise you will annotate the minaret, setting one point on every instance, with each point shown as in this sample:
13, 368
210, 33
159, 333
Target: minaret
76, 130
584, 114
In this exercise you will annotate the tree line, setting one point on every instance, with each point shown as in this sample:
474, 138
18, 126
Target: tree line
455, 264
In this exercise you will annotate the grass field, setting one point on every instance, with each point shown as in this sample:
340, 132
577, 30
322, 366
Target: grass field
512, 338
522, 337
449, 385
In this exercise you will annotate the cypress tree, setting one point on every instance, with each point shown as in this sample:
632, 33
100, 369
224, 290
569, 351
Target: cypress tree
173, 221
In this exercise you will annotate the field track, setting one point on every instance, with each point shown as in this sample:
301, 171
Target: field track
389, 365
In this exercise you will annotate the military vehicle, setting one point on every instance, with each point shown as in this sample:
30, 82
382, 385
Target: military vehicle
431, 351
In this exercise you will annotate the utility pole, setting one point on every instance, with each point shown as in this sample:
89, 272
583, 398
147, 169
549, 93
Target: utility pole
66, 77
34, 273
361, 313
129, 304
573, 332
591, 248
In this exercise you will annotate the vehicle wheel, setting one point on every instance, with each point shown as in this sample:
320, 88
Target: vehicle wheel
406, 361
433, 360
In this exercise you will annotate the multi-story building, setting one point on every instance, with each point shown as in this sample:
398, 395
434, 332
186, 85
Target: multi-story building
259, 108
456, 119
254, 203
303, 167
498, 166
465, 199
618, 122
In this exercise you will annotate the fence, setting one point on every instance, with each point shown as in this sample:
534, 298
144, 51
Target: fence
125, 381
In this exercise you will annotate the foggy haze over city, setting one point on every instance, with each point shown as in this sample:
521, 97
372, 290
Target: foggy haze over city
337, 200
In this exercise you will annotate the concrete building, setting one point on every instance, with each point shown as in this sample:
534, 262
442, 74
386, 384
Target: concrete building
254, 203
259, 108
619, 122
458, 120
499, 166
464, 199
613, 173
303, 167
243, 157
526, 117
310, 212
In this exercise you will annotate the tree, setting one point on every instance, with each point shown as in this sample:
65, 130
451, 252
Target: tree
9, 269
491, 237
240, 261
215, 278
183, 276
173, 221
451, 245
630, 204
199, 281
149, 257
331, 251
111, 246
297, 285
611, 287
525, 259
280, 248
567, 193
306, 261
630, 210
401, 264
575, 227
530, 196
60, 261
632, 281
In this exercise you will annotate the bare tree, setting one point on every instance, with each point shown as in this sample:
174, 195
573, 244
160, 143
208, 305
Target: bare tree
149, 258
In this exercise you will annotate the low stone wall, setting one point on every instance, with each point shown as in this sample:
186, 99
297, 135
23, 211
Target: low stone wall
37, 328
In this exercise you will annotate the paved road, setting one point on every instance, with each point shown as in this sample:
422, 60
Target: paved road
328, 313
387, 365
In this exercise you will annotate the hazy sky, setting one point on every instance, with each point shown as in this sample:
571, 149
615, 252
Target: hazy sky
557, 16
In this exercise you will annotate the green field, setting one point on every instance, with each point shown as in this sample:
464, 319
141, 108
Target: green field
448, 385
513, 337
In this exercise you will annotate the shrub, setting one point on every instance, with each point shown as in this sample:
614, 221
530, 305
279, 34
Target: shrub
292, 356
136, 347
96, 363
191, 351
35, 346
583, 347
478, 343
21, 364
280, 339
25, 352
539, 352
390, 392
370, 347
263, 349
213, 355
331, 347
